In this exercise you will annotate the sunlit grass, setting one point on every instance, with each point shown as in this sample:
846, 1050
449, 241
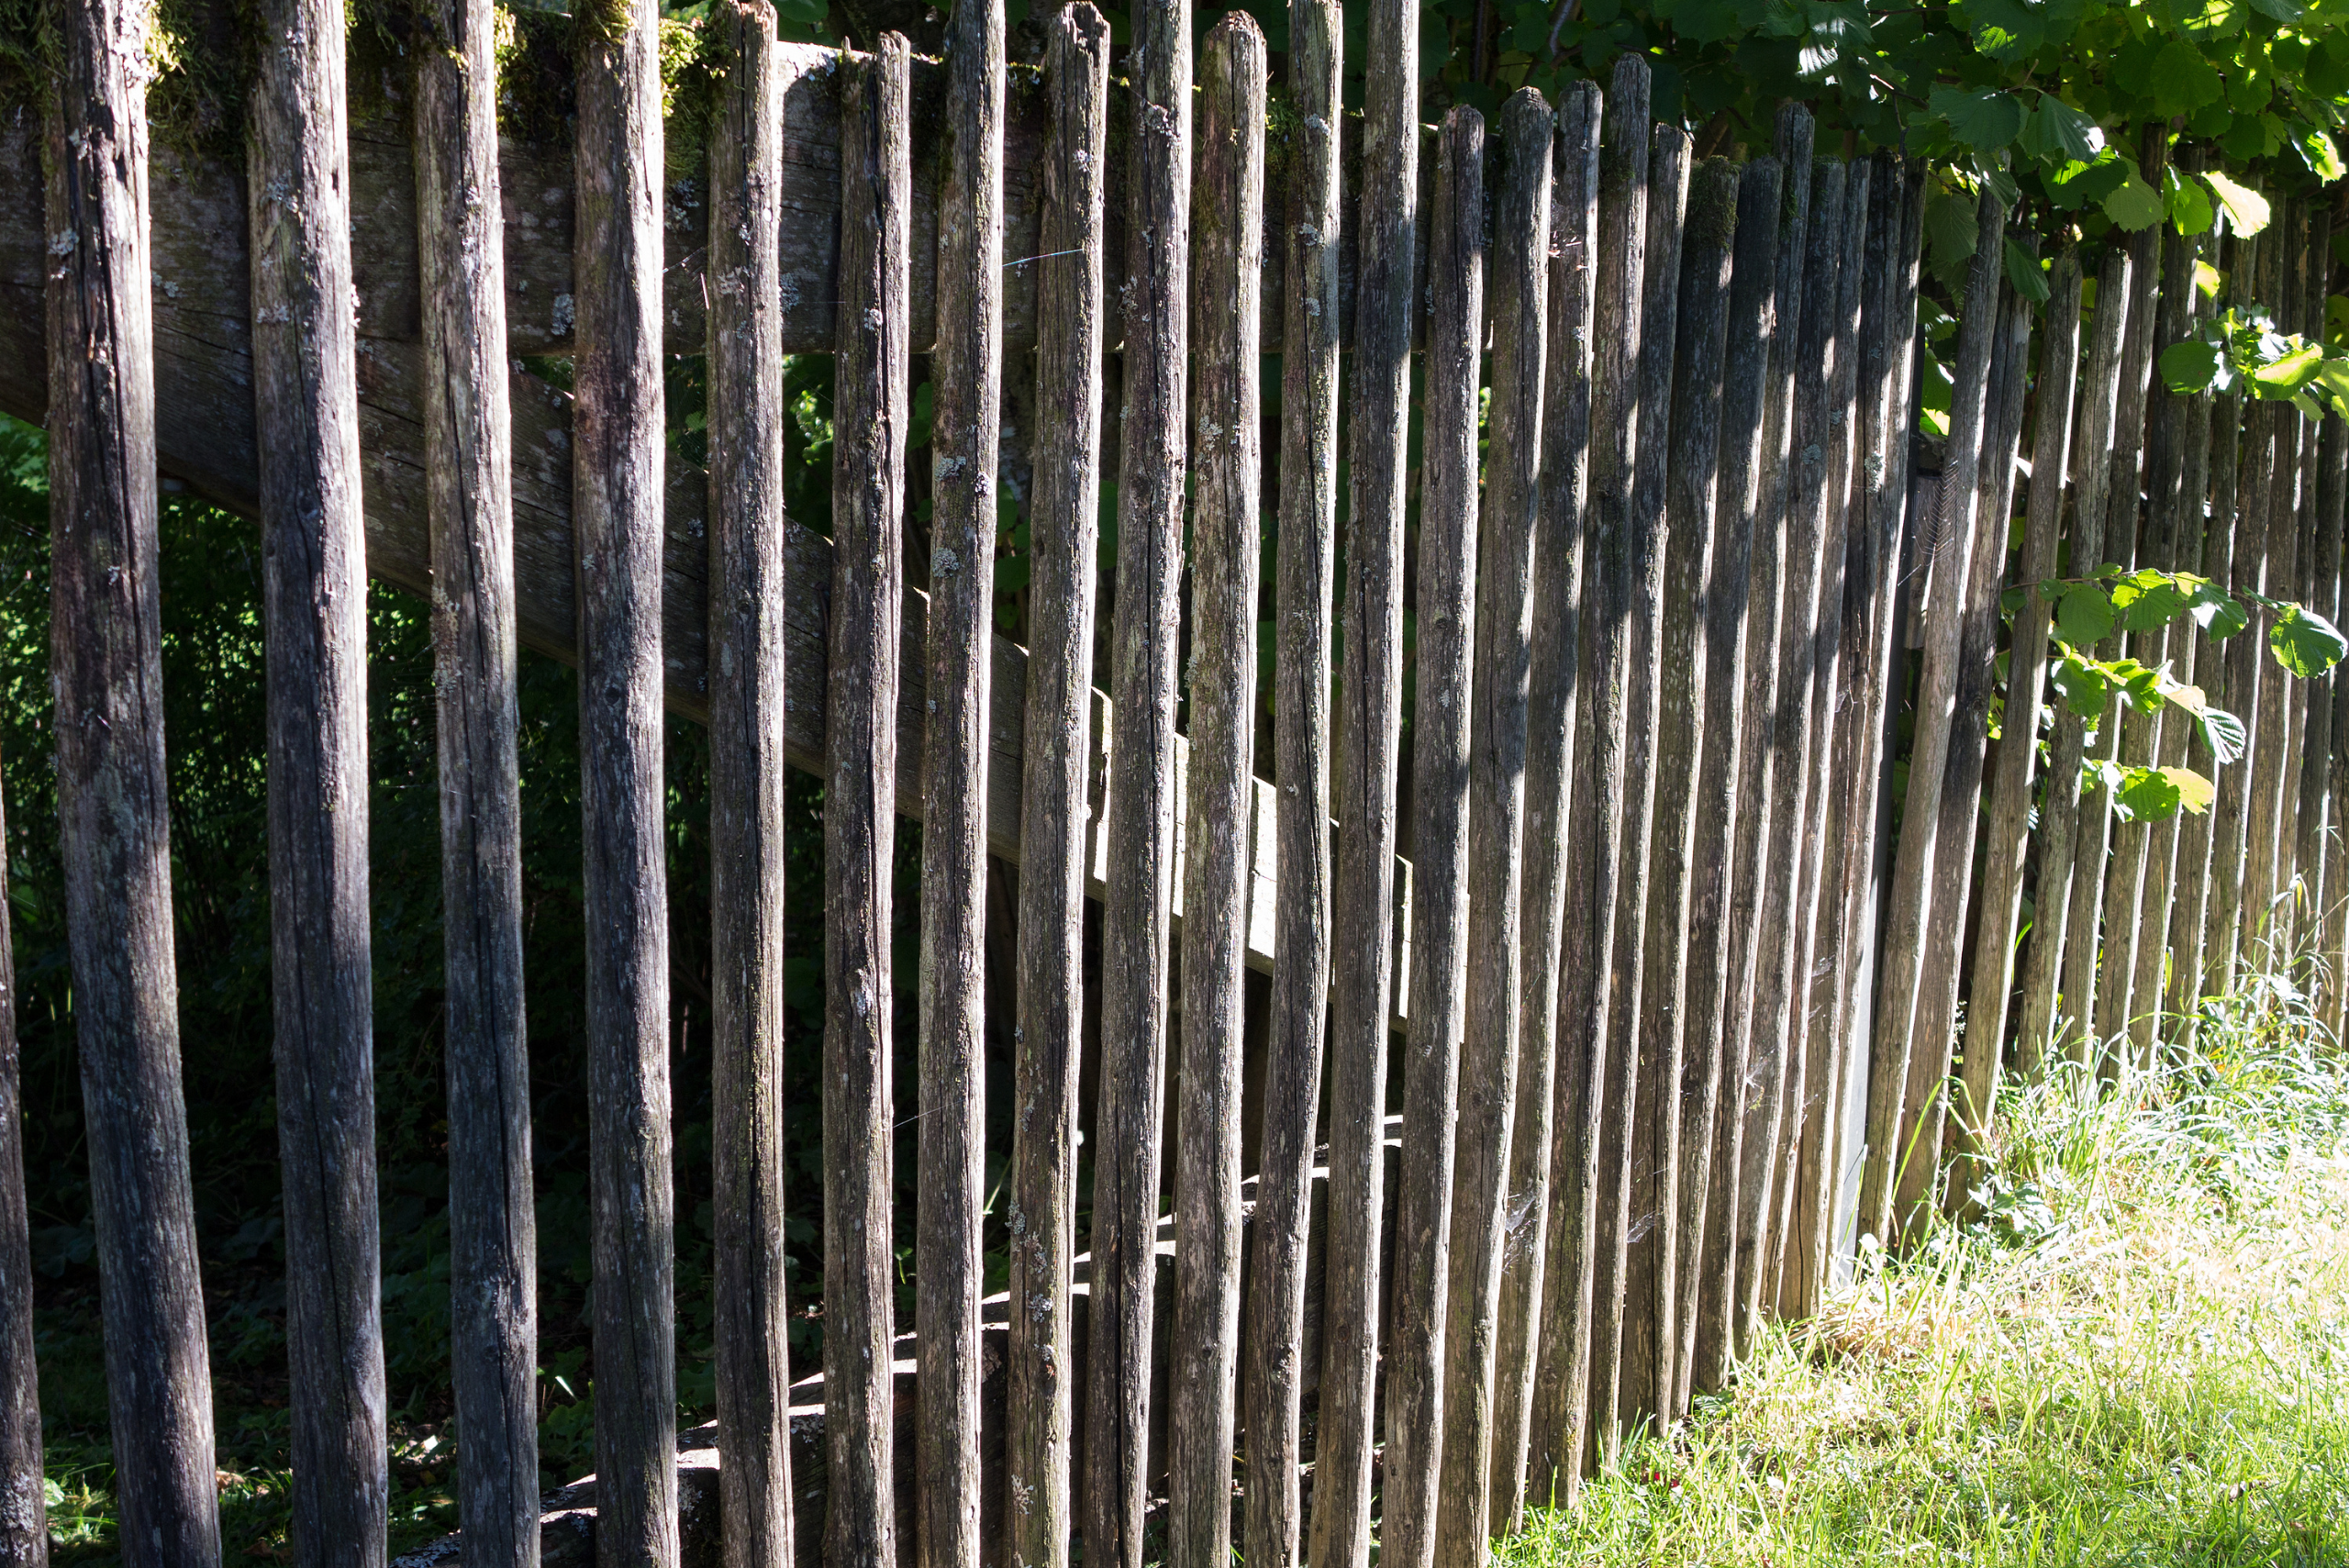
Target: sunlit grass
2139, 1358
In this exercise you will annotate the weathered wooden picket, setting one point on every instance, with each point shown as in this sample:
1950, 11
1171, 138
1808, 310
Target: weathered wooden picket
1679, 1011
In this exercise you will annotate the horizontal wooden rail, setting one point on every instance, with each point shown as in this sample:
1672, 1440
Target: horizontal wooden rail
205, 442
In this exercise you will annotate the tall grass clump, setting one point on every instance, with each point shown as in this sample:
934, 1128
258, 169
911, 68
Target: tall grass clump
2133, 1351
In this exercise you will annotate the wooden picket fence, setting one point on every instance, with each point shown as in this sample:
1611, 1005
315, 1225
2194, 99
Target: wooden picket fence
1677, 1008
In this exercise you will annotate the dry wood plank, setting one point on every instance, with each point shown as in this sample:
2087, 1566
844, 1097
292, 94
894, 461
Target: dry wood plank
1683, 1081
1064, 533
1808, 1218
1781, 990
1497, 718
1736, 622
2063, 834
23, 1509
1369, 700
1865, 738
871, 403
1417, 1388
746, 794
113, 808
2008, 836
1550, 799
314, 591
967, 370
2289, 895
1274, 1369
1563, 1416
468, 464
1933, 1063
1228, 216
1142, 791
1949, 545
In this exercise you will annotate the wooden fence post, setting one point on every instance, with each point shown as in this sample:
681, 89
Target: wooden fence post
2200, 888
113, 819
1552, 846
1683, 1077
1064, 535
2258, 277
314, 587
1653, 296
1780, 991
1807, 1215
1865, 740
1142, 801
2320, 824
1447, 580
2064, 836
1656, 892
2192, 866
1497, 736
1932, 1061
2008, 837
870, 402
1273, 1368
1561, 1397
747, 529
1228, 216
967, 370
1761, 781
1370, 688
2175, 522
2266, 919
24, 1510
1736, 622
1950, 544
493, 1227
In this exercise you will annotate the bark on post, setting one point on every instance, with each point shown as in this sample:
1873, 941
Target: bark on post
1416, 1386
1935, 1031
105, 668
1737, 623
1672, 1096
1228, 216
1142, 804
2319, 819
2008, 836
24, 1510
314, 589
2062, 829
469, 462
871, 403
2209, 456
2265, 881
1273, 1368
1497, 716
1807, 1215
747, 529
1551, 848
1065, 537
1370, 688
967, 370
